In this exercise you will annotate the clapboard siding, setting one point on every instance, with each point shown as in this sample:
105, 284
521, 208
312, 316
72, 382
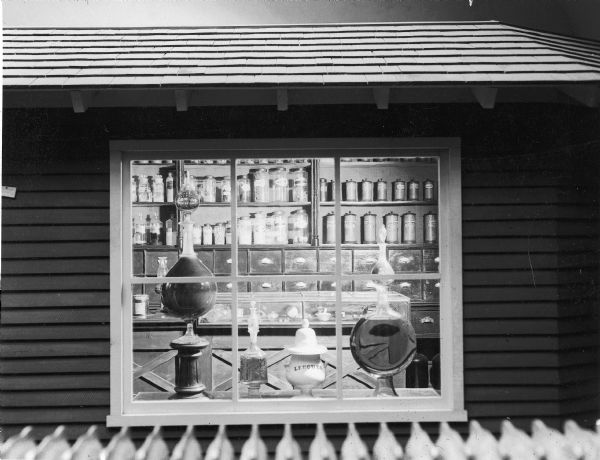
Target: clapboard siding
530, 236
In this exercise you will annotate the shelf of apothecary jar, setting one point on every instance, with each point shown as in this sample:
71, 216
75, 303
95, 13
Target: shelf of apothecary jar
274, 204
198, 247
280, 204
154, 247
147, 204
375, 246
381, 203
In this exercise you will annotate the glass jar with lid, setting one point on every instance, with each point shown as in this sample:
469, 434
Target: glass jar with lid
261, 186
243, 185
300, 185
244, 230
279, 184
301, 227
279, 228
259, 228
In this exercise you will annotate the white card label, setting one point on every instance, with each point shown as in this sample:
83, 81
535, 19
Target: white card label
9, 192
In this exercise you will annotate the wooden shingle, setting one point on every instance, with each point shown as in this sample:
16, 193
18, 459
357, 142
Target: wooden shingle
356, 54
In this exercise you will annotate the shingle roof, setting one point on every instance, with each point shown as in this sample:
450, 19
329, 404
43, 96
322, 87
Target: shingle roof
356, 54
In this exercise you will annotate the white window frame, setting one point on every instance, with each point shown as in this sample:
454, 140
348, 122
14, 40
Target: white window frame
447, 407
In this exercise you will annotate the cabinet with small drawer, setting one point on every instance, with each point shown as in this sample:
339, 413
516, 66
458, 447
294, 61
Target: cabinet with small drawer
265, 262
151, 261
327, 261
364, 259
409, 288
426, 322
223, 262
299, 286
405, 260
265, 286
300, 260
431, 260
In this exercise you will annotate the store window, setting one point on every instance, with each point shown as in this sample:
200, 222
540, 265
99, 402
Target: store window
285, 281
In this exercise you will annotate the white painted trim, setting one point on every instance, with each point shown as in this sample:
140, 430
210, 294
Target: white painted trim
449, 406
116, 333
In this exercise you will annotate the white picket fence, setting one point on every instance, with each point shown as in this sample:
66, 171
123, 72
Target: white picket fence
544, 443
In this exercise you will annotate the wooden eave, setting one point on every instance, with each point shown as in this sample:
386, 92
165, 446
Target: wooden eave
359, 63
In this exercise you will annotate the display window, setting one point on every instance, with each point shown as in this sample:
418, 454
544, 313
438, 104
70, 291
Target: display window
285, 281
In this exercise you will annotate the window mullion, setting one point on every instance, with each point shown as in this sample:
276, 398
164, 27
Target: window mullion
338, 279
234, 285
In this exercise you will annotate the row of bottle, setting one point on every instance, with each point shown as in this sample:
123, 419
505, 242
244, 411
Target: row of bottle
513, 444
274, 185
150, 230
399, 229
368, 191
152, 189
260, 186
274, 228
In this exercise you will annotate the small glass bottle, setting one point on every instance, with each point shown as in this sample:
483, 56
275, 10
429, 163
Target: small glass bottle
140, 231
219, 233
244, 230
279, 228
228, 233
197, 234
161, 272
134, 196
170, 234
243, 184
148, 230
253, 361
170, 188
155, 230
158, 189
144, 194
207, 235
210, 189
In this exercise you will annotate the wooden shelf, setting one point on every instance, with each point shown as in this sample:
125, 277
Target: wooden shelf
380, 203
153, 247
149, 204
275, 204
375, 246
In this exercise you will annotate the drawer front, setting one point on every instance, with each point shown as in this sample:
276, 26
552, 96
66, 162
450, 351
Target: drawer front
431, 260
138, 263
207, 258
265, 286
426, 322
409, 288
223, 262
327, 261
330, 285
302, 261
297, 286
407, 260
265, 261
364, 259
431, 290
151, 260
226, 287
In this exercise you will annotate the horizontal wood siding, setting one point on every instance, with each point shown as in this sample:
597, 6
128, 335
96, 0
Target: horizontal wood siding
530, 237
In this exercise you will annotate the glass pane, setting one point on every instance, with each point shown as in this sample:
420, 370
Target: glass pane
153, 214
274, 202
389, 223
